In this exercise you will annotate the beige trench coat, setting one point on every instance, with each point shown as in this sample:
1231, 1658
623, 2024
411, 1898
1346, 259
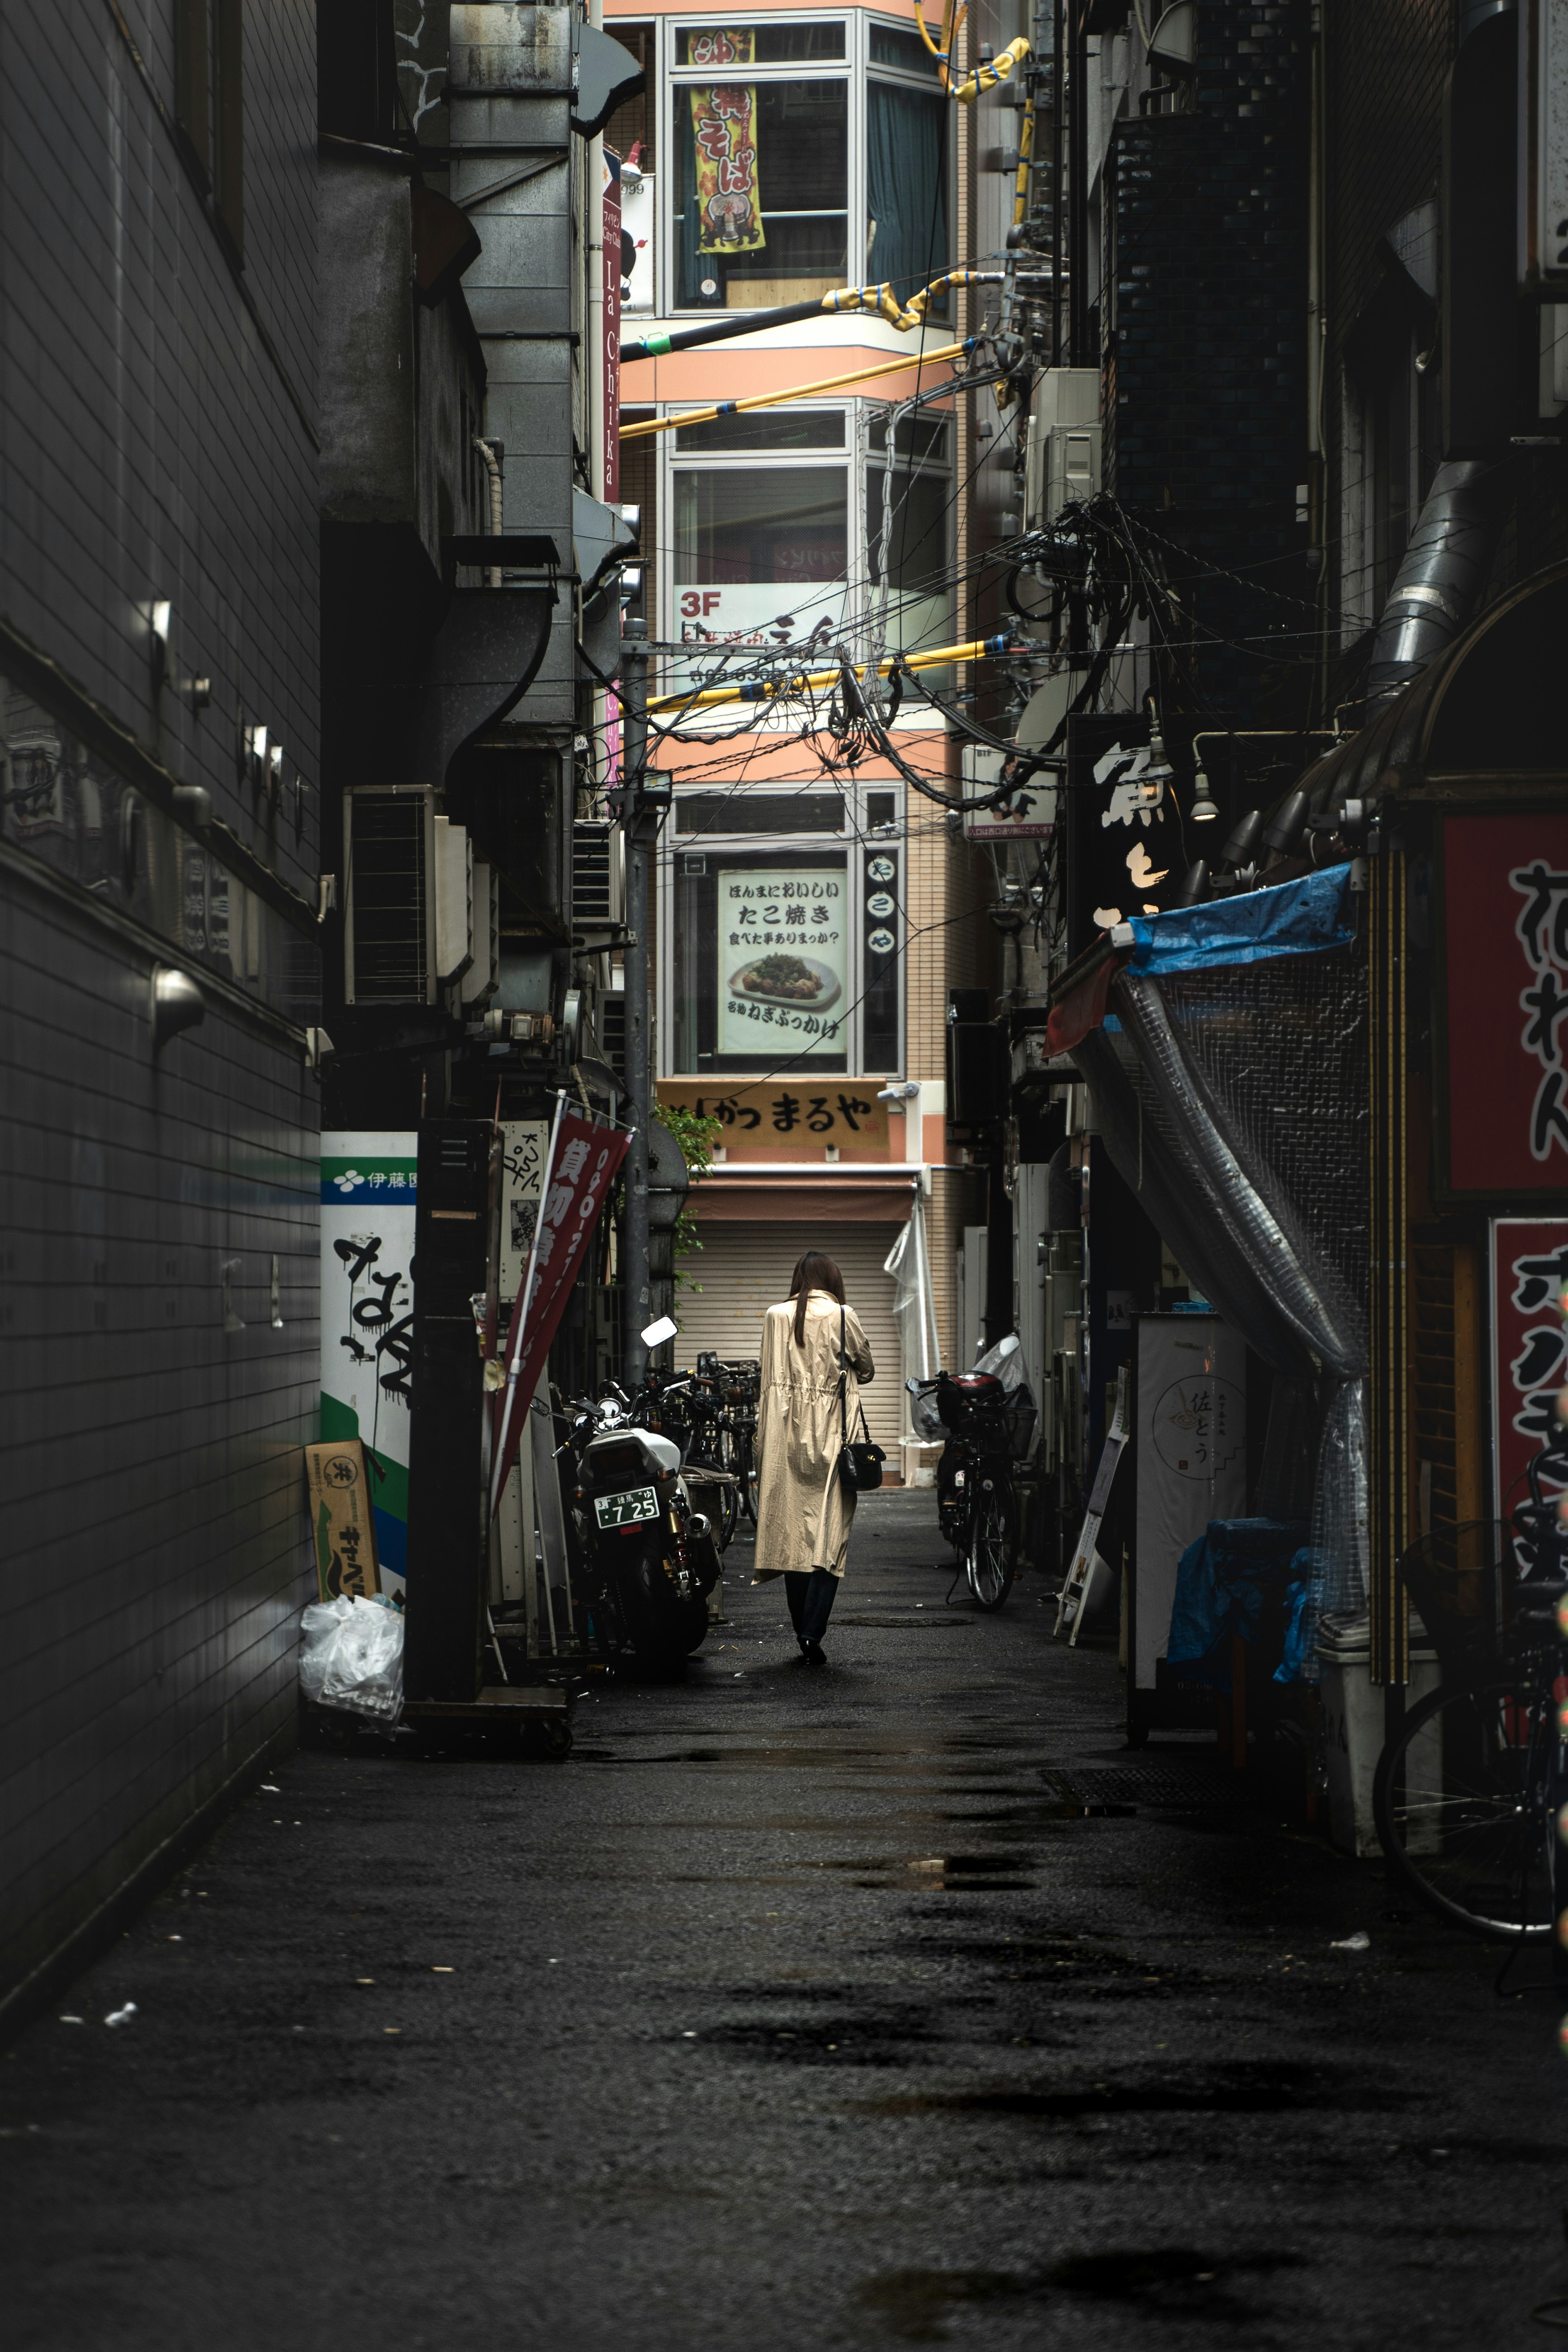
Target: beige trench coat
804, 1512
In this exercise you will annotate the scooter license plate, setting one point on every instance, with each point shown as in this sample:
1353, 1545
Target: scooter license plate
625, 1511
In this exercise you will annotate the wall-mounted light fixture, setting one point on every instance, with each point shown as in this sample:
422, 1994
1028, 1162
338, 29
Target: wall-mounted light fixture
176, 1002
160, 619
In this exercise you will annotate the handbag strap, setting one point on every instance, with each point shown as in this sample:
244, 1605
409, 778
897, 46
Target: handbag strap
843, 1382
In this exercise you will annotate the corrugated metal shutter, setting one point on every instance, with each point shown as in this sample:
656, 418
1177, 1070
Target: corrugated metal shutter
744, 1269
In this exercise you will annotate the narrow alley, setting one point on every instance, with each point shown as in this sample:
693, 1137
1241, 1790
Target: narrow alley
896, 2005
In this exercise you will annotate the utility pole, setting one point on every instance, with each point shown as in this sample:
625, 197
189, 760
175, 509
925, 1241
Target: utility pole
645, 800
639, 1090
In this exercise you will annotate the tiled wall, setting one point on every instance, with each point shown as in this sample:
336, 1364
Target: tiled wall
151, 446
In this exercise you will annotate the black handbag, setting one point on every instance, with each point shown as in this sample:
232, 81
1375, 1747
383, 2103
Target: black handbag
860, 1464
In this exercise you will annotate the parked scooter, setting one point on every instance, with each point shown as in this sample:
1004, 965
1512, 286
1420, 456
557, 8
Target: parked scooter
647, 1558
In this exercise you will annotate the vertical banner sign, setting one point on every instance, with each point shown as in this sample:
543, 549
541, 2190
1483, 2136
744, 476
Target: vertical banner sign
1125, 854
582, 1172
610, 256
724, 128
1529, 1354
783, 948
1505, 1003
367, 1181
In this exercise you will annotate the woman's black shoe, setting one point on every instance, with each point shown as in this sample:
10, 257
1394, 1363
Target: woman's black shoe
815, 1653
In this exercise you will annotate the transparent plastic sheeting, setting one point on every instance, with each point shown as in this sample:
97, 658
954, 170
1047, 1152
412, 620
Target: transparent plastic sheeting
1233, 1103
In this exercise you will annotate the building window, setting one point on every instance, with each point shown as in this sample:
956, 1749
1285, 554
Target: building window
785, 912
772, 543
916, 494
790, 178
209, 104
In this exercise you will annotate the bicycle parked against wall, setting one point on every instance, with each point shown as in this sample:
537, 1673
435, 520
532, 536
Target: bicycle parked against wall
739, 1388
1471, 1791
989, 1427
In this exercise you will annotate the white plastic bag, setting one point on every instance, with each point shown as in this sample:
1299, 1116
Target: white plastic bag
350, 1656
1004, 1362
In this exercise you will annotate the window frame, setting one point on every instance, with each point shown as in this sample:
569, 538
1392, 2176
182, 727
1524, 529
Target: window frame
854, 843
854, 68
858, 460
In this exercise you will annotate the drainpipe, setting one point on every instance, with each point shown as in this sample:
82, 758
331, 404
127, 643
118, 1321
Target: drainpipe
1439, 582
491, 452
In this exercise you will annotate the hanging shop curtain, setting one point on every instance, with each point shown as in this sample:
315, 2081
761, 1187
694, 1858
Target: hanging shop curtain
724, 134
906, 171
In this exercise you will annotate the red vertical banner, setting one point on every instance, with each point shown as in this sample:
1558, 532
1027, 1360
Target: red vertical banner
610, 240
577, 1183
1529, 1352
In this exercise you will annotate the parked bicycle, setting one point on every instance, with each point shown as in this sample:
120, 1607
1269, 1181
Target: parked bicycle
738, 1387
989, 1427
1469, 1791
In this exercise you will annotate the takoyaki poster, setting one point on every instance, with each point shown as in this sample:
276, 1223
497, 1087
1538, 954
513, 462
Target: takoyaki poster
783, 959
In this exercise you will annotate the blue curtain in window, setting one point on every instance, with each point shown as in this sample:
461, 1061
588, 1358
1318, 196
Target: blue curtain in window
907, 184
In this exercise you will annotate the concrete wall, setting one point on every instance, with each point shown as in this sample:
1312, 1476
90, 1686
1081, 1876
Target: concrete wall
156, 441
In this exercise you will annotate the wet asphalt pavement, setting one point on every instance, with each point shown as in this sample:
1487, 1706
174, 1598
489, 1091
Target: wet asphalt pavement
792, 2010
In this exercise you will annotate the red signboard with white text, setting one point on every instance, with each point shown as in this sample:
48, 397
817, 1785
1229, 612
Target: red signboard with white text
1505, 937
585, 1158
1529, 1351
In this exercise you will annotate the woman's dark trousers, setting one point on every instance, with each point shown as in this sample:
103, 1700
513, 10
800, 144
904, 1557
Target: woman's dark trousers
810, 1599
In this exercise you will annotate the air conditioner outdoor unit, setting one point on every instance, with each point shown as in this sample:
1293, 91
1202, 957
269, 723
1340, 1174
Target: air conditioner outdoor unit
1061, 458
389, 908
482, 975
598, 875
454, 901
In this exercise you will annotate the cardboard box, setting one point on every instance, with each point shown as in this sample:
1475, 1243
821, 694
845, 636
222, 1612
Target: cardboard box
342, 1523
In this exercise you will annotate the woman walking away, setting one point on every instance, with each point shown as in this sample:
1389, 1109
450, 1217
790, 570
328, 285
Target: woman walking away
803, 1510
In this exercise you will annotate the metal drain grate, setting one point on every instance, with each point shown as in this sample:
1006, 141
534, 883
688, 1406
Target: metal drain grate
1155, 1785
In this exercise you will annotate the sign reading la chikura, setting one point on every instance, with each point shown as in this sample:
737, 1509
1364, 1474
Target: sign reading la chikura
1505, 891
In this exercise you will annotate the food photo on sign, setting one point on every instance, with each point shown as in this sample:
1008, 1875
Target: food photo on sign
783, 957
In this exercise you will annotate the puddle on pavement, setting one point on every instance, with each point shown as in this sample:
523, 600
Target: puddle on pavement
1234, 2091
913, 2306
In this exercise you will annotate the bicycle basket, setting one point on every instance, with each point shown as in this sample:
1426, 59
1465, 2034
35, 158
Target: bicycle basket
1461, 1580
1019, 1416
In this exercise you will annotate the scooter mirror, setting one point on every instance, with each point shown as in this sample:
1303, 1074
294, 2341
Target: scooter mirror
657, 1333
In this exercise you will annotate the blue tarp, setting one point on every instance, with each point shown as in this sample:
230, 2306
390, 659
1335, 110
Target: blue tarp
1222, 1582
1296, 919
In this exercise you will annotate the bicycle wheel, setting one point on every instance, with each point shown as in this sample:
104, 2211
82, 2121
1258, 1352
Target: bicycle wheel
746, 1471
989, 1557
726, 1511
1463, 1802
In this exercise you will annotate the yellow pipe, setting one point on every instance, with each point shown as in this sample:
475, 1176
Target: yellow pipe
988, 76
800, 392
1026, 149
767, 690
881, 298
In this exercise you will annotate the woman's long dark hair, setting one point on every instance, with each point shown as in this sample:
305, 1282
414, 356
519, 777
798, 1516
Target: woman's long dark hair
813, 1272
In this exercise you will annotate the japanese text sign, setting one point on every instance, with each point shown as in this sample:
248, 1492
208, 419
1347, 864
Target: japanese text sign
1505, 915
1530, 1352
790, 1117
783, 945
723, 132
